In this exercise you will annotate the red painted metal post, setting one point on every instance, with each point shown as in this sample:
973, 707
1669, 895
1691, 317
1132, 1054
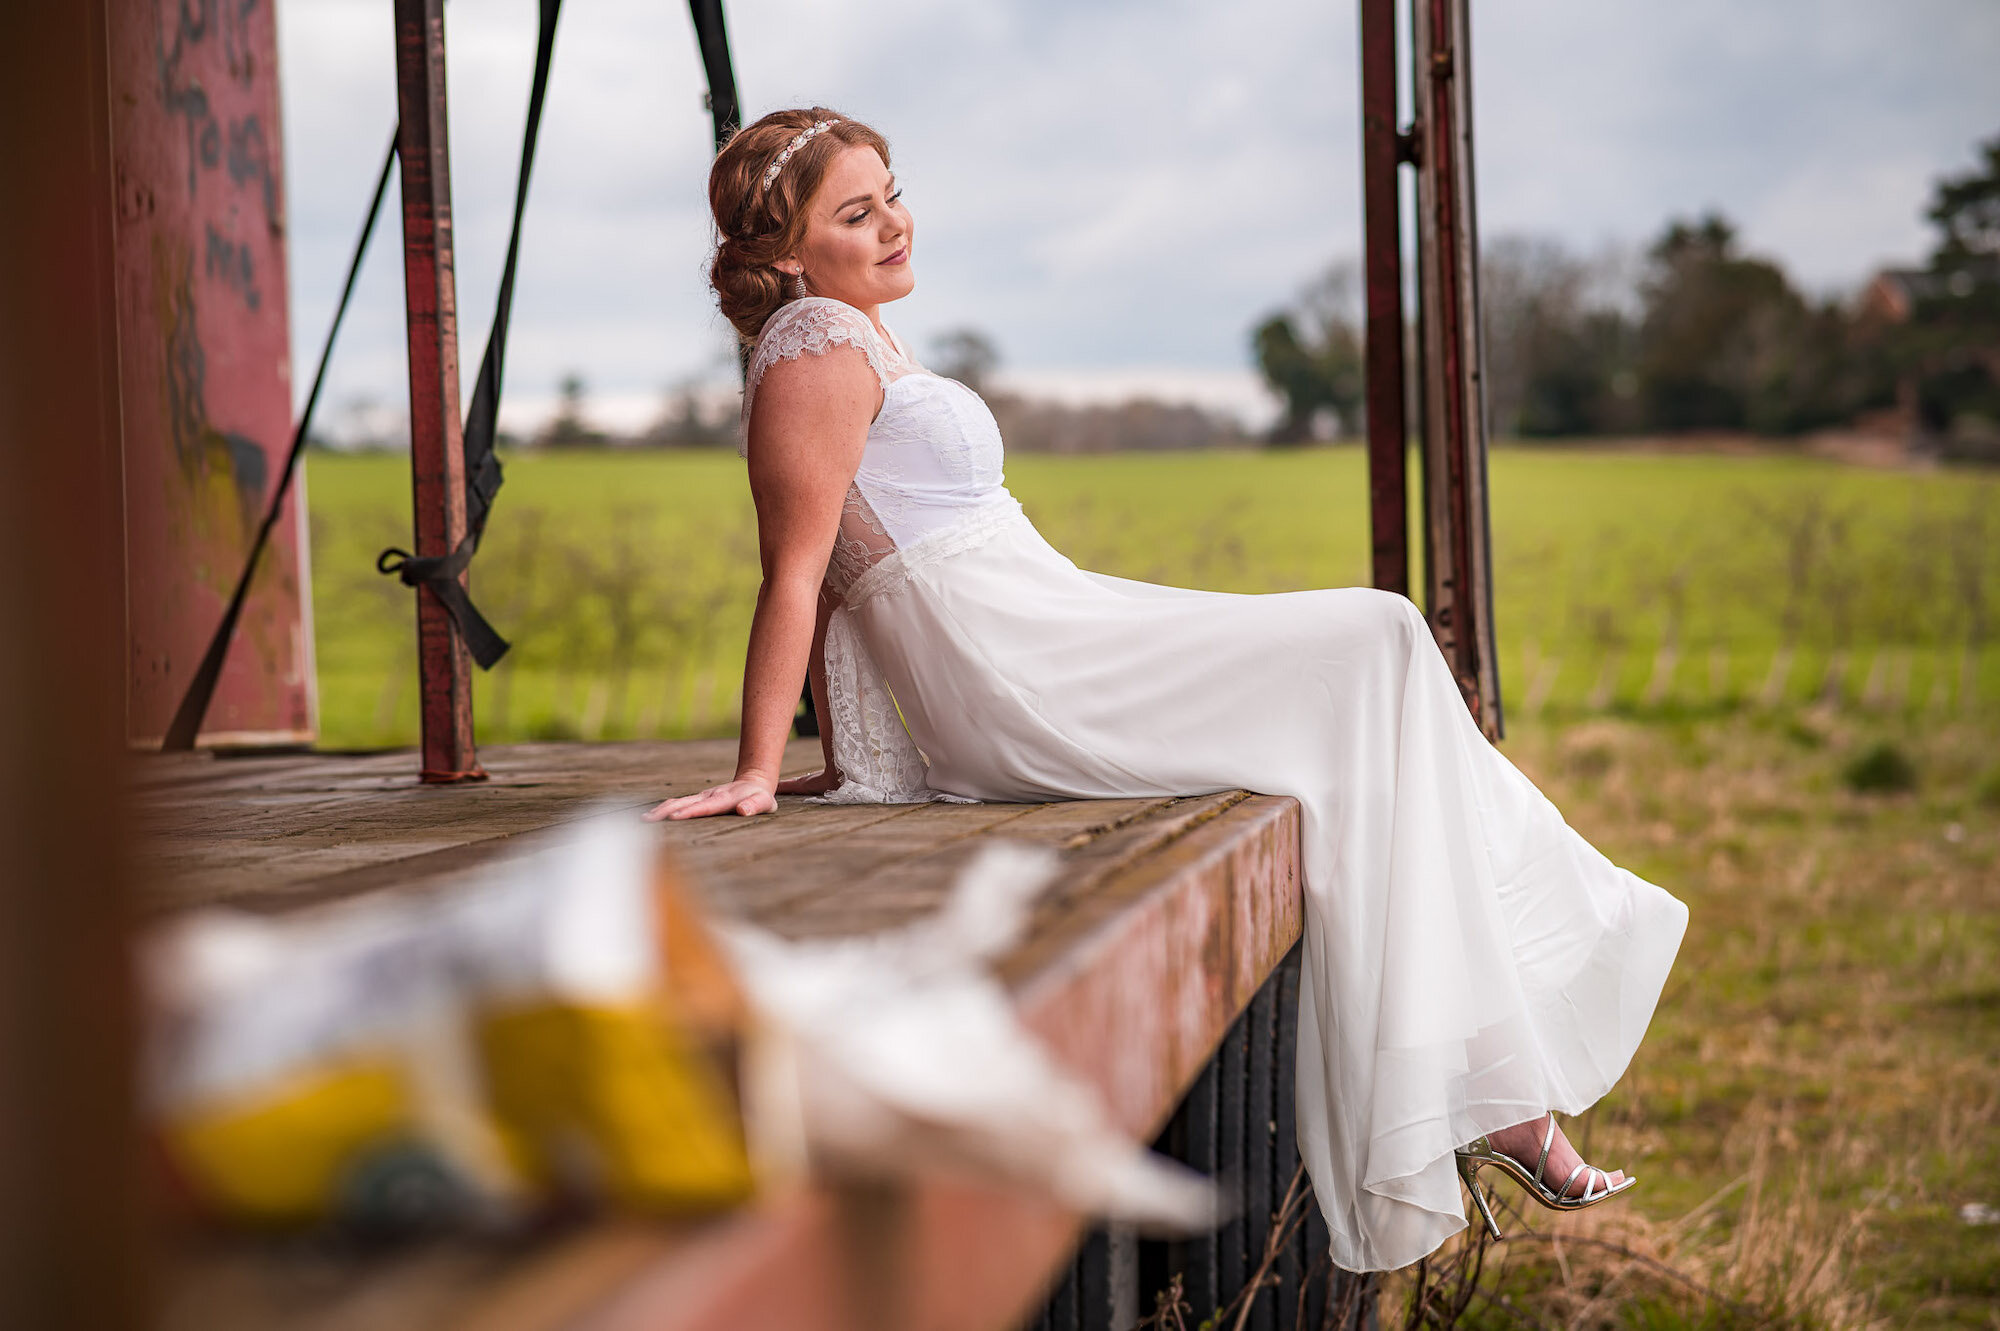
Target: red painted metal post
205, 371
1388, 481
437, 444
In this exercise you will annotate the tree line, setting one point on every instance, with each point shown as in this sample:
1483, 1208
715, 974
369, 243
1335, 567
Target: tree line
1697, 336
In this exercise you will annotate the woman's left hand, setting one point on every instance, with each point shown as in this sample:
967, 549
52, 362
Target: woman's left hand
747, 797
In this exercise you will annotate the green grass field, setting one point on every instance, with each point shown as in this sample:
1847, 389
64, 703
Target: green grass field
1623, 580
1760, 681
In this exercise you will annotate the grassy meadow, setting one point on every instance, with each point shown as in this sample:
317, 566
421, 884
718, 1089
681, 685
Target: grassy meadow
1762, 681
1624, 580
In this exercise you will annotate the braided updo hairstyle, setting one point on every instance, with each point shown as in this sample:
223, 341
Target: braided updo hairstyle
758, 227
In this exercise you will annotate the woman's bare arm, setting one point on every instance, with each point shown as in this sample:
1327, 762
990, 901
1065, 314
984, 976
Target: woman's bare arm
807, 431
829, 775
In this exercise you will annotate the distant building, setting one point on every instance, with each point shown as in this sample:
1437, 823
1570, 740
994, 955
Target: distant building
1893, 297
1890, 298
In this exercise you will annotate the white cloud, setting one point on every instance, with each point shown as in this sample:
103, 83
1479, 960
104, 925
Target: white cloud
1105, 185
1817, 127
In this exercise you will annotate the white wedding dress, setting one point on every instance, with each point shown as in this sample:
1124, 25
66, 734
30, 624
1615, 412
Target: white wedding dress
1470, 961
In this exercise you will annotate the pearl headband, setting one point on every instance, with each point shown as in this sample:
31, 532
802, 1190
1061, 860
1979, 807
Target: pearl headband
804, 137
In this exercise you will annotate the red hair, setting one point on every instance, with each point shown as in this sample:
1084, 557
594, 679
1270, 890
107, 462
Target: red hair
757, 227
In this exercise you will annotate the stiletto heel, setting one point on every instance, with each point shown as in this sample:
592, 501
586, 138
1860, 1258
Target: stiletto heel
1468, 1170
1480, 1153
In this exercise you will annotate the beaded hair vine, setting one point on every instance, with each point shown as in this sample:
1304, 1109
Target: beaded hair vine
803, 137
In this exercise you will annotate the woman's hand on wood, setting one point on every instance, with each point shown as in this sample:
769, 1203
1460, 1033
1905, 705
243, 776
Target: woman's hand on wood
817, 783
748, 797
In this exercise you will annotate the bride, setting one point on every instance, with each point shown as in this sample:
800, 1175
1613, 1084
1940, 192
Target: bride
1471, 963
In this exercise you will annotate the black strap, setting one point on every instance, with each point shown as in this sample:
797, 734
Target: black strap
727, 112
441, 576
482, 466
201, 689
714, 39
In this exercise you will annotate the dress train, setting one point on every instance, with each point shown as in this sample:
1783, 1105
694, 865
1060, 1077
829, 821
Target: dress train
1471, 961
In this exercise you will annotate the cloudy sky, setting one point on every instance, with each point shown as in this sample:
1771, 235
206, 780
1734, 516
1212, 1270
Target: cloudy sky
1115, 190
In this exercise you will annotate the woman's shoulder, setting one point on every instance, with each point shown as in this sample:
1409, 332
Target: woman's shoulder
810, 318
814, 326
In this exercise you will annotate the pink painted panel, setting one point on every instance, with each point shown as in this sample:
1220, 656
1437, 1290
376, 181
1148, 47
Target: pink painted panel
205, 366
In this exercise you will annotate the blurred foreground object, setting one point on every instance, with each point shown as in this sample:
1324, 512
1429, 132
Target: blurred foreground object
569, 1031
904, 1057
563, 1031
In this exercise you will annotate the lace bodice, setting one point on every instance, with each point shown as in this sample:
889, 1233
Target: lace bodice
929, 482
933, 457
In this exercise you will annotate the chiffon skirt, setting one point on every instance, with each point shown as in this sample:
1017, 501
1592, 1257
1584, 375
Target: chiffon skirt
1470, 961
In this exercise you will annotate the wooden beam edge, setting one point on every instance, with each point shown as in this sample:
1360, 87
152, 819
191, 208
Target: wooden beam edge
1221, 902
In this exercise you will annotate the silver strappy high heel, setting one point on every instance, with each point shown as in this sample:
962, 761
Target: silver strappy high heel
1480, 1153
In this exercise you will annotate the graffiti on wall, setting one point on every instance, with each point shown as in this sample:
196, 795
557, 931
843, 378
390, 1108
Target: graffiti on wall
205, 373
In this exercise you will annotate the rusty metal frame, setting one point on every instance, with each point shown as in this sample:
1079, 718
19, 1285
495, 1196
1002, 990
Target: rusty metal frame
1388, 433
437, 443
1452, 390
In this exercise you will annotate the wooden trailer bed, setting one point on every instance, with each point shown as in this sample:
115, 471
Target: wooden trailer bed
1168, 917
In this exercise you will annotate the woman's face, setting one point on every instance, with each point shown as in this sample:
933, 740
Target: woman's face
857, 245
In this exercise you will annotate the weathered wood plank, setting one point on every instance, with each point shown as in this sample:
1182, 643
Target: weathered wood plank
267, 832
860, 888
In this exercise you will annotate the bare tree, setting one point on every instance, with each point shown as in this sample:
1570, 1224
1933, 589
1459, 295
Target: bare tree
1310, 353
570, 426
1529, 287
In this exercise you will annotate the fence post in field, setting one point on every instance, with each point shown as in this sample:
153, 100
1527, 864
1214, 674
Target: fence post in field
1776, 677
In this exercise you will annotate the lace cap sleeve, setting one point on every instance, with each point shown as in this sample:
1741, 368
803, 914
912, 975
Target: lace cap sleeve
813, 326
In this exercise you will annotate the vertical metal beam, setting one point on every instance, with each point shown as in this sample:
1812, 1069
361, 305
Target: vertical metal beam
1388, 484
1479, 506
437, 444
1453, 386
712, 35
72, 1210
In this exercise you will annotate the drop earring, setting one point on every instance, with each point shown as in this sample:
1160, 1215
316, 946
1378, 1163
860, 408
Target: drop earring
798, 286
